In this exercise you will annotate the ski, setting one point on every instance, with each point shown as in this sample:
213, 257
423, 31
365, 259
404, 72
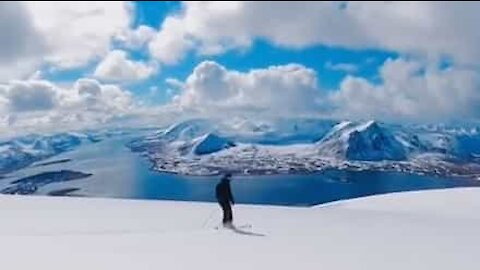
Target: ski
243, 226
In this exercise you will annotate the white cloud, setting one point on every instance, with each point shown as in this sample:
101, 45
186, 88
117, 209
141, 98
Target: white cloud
3, 100
42, 105
16, 32
175, 83
31, 96
137, 38
77, 32
411, 91
20, 42
117, 67
278, 90
408, 90
64, 34
171, 42
105, 98
430, 29
343, 67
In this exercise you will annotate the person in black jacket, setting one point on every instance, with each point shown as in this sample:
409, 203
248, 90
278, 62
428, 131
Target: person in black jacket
224, 198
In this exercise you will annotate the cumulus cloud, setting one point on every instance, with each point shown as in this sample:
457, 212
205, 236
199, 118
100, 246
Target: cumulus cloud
408, 90
411, 91
171, 43
63, 34
21, 44
17, 33
137, 38
77, 32
90, 94
277, 90
69, 35
117, 67
430, 29
31, 96
42, 105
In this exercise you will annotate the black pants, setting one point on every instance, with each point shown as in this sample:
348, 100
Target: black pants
227, 212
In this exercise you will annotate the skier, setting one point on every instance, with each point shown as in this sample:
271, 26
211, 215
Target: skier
224, 198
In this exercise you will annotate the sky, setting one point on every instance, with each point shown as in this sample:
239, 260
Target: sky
73, 65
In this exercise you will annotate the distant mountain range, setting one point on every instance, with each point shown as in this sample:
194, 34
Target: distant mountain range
306, 145
23, 151
205, 147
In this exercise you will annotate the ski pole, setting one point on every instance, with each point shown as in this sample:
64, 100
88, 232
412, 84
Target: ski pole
208, 218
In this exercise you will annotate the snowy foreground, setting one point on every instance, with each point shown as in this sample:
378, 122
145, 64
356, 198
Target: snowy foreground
415, 230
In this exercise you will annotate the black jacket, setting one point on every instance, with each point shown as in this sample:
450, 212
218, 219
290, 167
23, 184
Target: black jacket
224, 193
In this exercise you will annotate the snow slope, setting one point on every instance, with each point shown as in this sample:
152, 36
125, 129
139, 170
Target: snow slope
415, 230
210, 143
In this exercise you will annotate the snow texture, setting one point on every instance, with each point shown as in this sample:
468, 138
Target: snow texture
413, 230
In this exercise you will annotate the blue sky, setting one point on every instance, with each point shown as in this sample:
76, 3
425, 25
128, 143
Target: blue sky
92, 62
152, 13
261, 54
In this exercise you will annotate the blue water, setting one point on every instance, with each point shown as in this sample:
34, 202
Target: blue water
298, 190
119, 173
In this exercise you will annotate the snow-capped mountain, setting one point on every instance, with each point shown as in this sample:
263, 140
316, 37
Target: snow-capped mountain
274, 131
182, 140
209, 136
23, 151
202, 146
306, 145
205, 144
187, 130
178, 138
281, 131
364, 141
13, 157
450, 143
374, 141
